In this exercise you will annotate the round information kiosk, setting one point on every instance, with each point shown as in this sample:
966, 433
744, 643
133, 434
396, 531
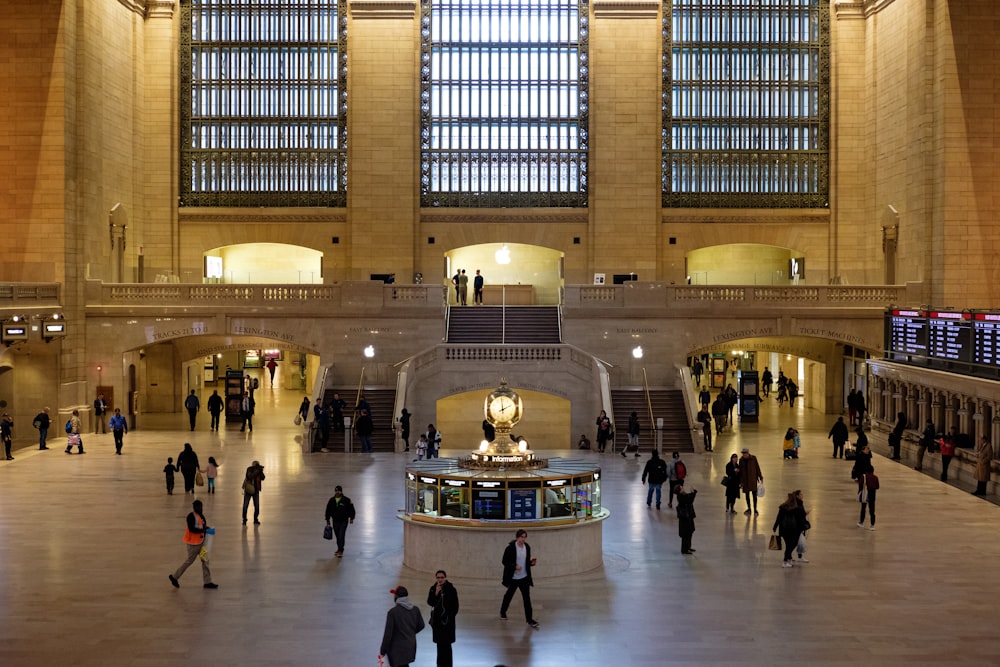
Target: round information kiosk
461, 512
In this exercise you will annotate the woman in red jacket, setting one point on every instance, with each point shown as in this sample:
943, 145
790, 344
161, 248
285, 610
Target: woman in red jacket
947, 452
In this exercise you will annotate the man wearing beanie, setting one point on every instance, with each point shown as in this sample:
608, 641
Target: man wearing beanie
402, 623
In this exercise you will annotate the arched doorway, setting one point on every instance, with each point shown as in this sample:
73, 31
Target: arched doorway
525, 270
745, 264
263, 263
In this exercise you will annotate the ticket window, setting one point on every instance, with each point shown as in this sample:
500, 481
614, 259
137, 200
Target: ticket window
524, 504
488, 504
427, 490
454, 502
411, 494
558, 501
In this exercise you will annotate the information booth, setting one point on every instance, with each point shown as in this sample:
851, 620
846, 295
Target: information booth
565, 491
450, 509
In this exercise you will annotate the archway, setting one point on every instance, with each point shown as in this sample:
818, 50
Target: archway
528, 270
263, 263
745, 264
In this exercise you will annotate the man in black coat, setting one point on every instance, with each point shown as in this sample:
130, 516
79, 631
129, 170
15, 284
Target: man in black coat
517, 564
840, 436
656, 472
339, 513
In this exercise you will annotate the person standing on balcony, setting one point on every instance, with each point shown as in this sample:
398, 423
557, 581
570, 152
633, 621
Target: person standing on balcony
463, 287
454, 280
477, 289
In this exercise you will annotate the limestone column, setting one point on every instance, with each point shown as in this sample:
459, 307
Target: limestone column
156, 231
911, 406
383, 150
625, 127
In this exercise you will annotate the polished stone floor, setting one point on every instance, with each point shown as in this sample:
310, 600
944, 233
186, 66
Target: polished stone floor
86, 543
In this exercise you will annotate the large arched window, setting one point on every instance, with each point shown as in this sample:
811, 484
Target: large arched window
263, 103
746, 98
504, 103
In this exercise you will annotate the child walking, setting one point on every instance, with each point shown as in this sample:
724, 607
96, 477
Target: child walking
168, 471
211, 473
421, 447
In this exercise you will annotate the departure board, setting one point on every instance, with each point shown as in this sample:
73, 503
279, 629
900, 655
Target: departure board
949, 335
906, 332
986, 339
965, 342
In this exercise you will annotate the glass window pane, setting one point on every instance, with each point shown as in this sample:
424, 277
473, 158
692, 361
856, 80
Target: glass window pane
745, 103
263, 103
499, 109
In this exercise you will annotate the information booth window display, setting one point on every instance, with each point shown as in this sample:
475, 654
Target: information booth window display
442, 489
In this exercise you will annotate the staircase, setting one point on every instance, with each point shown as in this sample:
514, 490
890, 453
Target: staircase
668, 404
382, 402
515, 325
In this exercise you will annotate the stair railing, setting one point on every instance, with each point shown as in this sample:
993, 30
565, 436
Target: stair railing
649, 401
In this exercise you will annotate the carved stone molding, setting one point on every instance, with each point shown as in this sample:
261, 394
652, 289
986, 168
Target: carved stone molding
251, 216
848, 9
136, 6
160, 9
626, 9
383, 9
504, 215
746, 216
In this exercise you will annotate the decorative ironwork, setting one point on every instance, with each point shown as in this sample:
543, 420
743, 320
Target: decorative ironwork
746, 103
263, 103
504, 103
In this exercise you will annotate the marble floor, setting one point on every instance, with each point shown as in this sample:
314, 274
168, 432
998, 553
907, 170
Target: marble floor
86, 543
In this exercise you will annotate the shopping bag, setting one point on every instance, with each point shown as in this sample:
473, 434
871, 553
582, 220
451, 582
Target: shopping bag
328, 532
298, 420
199, 479
802, 546
774, 544
760, 489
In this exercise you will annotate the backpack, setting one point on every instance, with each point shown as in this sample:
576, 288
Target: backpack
680, 471
69, 426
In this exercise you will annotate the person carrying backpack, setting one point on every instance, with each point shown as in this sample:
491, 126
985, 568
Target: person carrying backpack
656, 471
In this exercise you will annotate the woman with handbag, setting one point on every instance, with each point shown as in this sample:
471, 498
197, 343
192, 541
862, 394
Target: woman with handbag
443, 599
867, 489
732, 482
789, 524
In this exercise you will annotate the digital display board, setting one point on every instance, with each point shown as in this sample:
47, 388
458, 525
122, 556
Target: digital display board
949, 336
986, 339
905, 333
962, 341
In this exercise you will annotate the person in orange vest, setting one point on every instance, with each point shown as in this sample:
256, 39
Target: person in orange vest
194, 538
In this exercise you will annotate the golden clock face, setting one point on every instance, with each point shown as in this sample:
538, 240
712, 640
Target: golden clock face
502, 409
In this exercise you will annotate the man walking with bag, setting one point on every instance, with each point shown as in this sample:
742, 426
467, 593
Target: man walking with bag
339, 513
